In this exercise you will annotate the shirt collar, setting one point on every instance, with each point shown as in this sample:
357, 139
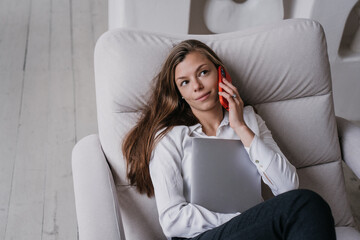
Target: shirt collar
198, 127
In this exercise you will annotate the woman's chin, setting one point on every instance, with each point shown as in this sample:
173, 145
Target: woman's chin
207, 107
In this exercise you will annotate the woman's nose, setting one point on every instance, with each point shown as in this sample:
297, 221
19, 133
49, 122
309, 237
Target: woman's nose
197, 84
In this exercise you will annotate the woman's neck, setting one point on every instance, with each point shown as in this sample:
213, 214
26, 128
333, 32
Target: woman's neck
210, 120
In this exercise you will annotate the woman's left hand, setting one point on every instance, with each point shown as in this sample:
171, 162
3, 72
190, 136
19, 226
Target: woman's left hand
236, 112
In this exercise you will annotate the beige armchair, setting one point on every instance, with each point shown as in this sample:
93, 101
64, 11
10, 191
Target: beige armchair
281, 69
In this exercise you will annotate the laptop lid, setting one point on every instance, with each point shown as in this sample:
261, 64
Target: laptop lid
223, 178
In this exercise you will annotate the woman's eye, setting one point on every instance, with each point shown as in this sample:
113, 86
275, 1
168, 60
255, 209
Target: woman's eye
204, 72
183, 83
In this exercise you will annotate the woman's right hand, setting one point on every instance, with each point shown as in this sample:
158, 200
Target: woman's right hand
236, 112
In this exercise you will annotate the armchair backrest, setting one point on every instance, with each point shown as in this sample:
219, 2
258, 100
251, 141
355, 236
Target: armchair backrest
281, 69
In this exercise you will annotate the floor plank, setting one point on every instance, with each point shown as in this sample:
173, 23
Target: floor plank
46, 58
10, 98
83, 67
99, 9
25, 219
13, 36
27, 196
59, 207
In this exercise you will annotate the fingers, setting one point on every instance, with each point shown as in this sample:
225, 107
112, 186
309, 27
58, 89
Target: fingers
231, 90
230, 98
229, 84
236, 108
228, 87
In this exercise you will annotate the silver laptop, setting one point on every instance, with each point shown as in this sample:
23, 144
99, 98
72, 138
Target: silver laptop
223, 178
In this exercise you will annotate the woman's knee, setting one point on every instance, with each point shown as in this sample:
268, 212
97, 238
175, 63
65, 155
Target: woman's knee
311, 203
308, 196
310, 217
305, 194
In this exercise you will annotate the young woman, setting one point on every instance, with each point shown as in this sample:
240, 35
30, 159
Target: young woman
185, 103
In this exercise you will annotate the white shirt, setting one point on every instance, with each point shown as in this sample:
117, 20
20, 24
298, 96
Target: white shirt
170, 174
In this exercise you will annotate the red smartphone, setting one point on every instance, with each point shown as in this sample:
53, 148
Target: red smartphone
223, 74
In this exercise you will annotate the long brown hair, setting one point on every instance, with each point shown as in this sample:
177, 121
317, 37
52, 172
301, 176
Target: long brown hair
165, 110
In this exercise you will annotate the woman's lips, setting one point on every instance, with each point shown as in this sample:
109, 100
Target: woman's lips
203, 97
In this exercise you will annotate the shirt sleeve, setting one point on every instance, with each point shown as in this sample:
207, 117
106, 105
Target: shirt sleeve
276, 171
177, 217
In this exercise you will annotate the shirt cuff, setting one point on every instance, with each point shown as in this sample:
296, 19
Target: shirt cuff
260, 154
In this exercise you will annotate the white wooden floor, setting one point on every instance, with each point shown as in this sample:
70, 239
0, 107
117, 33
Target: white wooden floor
47, 103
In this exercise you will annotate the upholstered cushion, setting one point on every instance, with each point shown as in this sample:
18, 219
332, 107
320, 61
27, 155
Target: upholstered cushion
347, 233
280, 69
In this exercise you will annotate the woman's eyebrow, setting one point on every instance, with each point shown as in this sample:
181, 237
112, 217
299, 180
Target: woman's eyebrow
197, 69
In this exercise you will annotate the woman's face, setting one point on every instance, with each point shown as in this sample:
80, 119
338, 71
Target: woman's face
196, 78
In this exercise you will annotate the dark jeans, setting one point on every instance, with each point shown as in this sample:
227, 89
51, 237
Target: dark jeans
297, 214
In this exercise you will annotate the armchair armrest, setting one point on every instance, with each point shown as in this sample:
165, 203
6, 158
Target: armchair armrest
349, 137
96, 201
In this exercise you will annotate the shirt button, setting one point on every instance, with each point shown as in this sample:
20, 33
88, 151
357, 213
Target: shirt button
256, 161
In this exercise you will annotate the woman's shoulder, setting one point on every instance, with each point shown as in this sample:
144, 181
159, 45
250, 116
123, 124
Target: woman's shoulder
172, 142
175, 134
